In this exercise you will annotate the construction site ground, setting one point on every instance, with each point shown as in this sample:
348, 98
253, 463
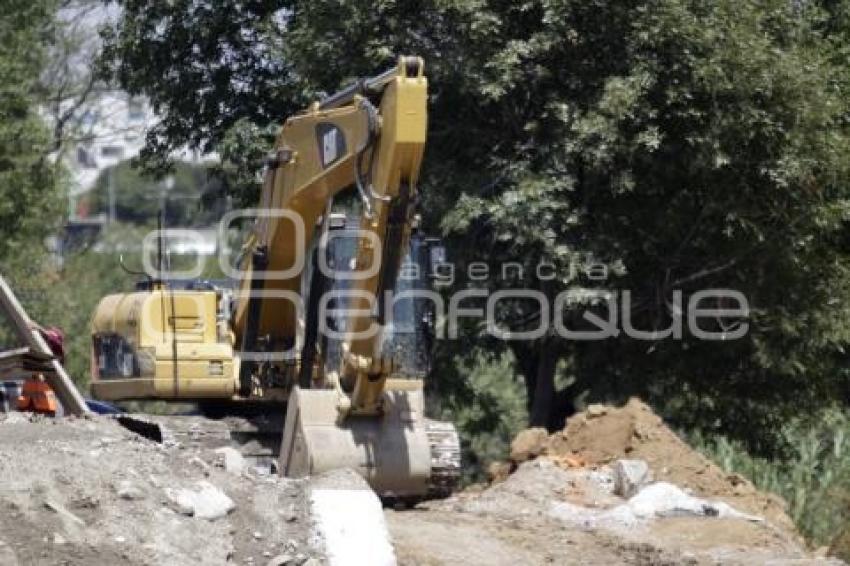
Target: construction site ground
88, 491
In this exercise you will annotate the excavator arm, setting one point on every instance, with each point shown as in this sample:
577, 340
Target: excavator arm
360, 418
337, 143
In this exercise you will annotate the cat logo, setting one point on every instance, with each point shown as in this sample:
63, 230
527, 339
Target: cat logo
331, 143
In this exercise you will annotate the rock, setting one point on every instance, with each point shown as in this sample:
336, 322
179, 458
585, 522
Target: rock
312, 562
290, 515
205, 502
180, 503
349, 518
58, 539
498, 471
630, 476
199, 463
282, 560
528, 444
596, 410
127, 490
258, 535
60, 510
230, 459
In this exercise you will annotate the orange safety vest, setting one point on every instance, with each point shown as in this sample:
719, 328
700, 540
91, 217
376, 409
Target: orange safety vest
38, 397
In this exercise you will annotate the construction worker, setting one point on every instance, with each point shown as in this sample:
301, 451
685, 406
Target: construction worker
37, 396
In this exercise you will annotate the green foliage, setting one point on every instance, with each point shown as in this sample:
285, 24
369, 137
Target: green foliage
66, 297
30, 196
695, 148
31, 190
204, 68
488, 408
813, 475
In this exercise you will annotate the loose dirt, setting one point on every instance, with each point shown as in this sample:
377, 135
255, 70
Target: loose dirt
89, 492
603, 434
558, 506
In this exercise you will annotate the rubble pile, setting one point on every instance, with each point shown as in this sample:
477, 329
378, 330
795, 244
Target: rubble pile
633, 435
616, 485
80, 491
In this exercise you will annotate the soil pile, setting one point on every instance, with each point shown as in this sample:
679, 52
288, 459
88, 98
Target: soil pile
87, 491
602, 434
615, 486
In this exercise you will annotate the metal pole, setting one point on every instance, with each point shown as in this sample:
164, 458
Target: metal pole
111, 190
62, 384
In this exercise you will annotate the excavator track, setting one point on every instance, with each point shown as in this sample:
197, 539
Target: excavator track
445, 458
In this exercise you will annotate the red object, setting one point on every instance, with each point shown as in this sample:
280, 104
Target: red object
56, 342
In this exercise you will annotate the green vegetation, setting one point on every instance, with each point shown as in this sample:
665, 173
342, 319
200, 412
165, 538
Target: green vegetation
30, 191
682, 145
813, 474
485, 401
191, 196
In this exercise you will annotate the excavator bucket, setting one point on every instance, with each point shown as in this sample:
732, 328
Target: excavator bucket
392, 452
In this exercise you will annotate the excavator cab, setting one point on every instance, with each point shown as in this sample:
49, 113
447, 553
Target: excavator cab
409, 337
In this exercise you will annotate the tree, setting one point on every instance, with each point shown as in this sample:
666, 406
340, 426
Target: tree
190, 196
696, 147
677, 145
67, 80
29, 190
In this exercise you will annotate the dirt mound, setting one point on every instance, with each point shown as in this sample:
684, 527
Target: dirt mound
562, 500
602, 434
87, 491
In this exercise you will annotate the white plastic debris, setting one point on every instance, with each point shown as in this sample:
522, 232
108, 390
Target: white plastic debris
657, 500
664, 499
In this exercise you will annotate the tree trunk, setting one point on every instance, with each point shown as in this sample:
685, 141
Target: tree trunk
526, 362
543, 401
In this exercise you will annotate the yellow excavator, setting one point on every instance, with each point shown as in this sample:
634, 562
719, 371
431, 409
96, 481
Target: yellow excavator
307, 323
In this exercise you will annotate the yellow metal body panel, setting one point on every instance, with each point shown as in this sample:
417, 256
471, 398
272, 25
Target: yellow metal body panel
144, 318
154, 326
